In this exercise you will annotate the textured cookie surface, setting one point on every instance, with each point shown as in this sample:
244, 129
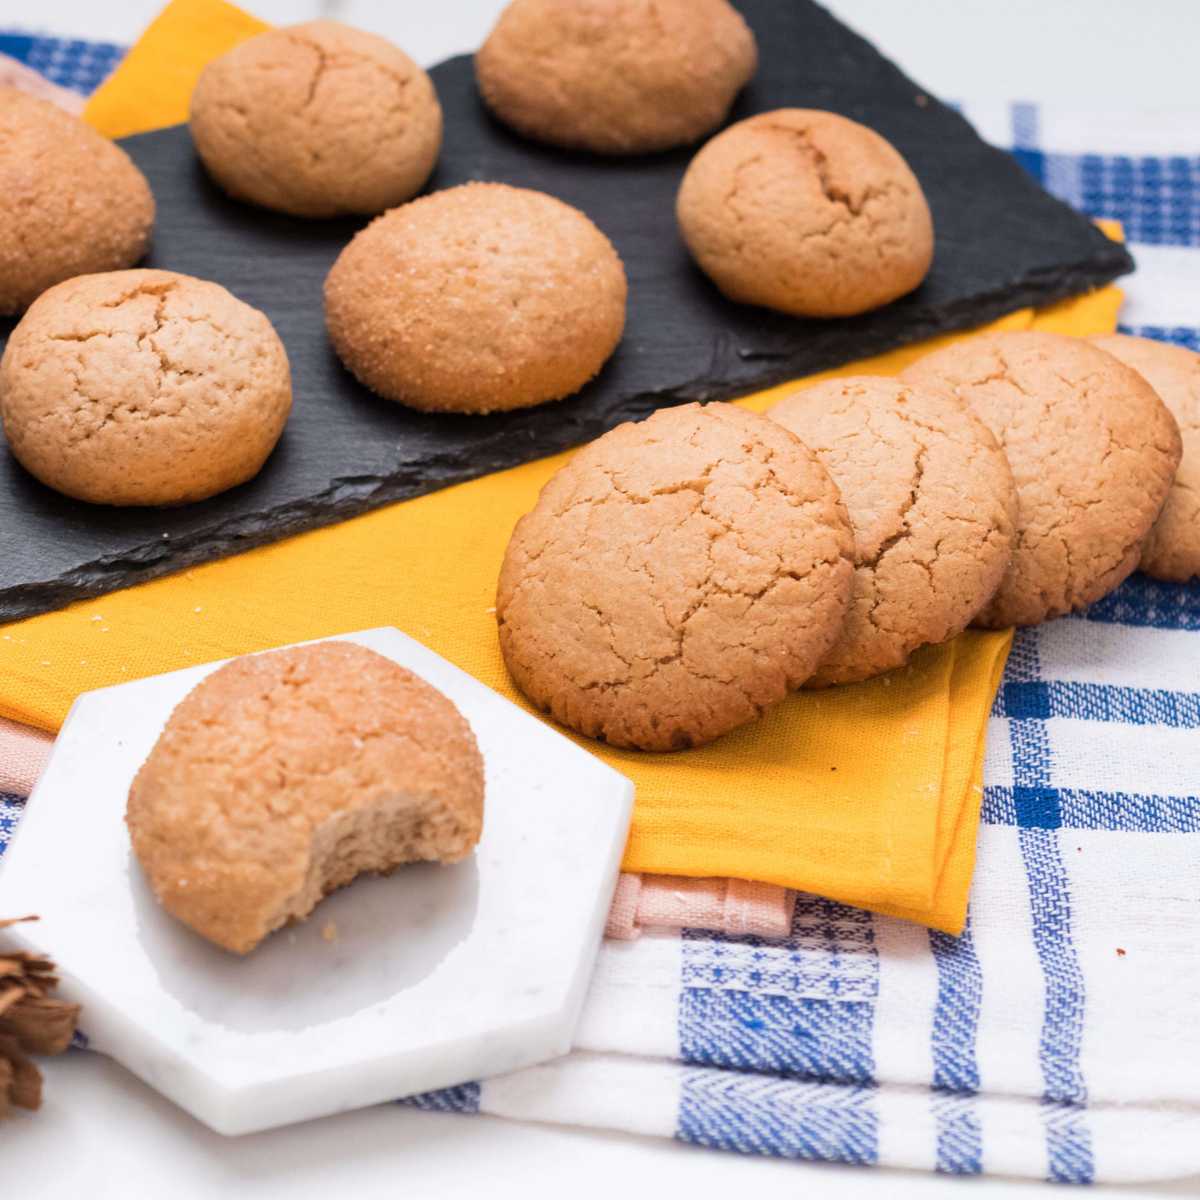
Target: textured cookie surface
676, 578
282, 776
807, 212
143, 387
477, 298
615, 76
316, 120
71, 202
1172, 551
1092, 449
933, 506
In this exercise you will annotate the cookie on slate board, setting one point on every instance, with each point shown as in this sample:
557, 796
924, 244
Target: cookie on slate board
317, 120
475, 299
615, 76
806, 212
1172, 551
1093, 451
143, 387
71, 202
933, 506
676, 578
282, 776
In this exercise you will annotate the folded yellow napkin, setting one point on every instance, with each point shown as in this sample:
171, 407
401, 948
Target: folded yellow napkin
868, 794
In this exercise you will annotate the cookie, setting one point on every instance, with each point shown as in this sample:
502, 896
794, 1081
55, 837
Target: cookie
282, 776
806, 212
71, 202
933, 506
1172, 551
477, 298
677, 577
615, 76
317, 120
143, 387
1092, 449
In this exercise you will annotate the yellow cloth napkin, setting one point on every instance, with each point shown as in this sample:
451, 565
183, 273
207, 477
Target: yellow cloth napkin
868, 794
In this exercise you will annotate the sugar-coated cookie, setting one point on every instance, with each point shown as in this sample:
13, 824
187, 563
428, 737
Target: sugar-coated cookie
675, 578
1093, 451
807, 212
282, 776
933, 506
615, 76
317, 120
143, 387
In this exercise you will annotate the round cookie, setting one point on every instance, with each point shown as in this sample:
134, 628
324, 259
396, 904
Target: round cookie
143, 387
1172, 551
317, 120
933, 506
71, 202
677, 577
282, 776
806, 212
615, 76
1092, 449
477, 298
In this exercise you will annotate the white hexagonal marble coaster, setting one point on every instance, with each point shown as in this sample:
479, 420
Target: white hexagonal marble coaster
437, 975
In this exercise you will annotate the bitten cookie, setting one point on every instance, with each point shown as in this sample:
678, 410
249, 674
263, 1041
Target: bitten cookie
143, 387
282, 776
615, 76
806, 212
676, 578
1093, 451
317, 120
933, 506
1172, 551
71, 202
477, 298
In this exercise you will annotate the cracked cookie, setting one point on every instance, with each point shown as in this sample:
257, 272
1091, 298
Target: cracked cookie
676, 578
143, 387
1172, 551
806, 212
933, 506
1092, 449
71, 202
282, 776
475, 299
317, 120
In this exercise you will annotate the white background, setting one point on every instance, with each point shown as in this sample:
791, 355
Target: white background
102, 1134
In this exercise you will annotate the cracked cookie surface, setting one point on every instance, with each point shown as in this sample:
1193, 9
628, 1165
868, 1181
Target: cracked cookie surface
1092, 449
475, 299
71, 202
317, 120
615, 76
676, 578
933, 506
1172, 551
143, 388
806, 212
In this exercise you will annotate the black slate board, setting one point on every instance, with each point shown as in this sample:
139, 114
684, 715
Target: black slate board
1001, 243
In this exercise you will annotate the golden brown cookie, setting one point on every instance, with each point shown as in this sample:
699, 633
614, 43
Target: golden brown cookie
143, 387
478, 298
933, 506
1093, 451
677, 577
282, 776
71, 202
806, 212
317, 120
1172, 551
615, 76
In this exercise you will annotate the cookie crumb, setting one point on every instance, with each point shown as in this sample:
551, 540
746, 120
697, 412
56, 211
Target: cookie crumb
1120, 952
329, 931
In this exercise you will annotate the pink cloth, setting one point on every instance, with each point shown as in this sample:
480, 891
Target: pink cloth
734, 906
23, 754
17, 75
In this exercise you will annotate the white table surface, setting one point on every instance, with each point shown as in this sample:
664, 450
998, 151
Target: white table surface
103, 1134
